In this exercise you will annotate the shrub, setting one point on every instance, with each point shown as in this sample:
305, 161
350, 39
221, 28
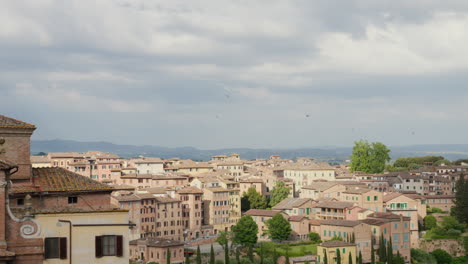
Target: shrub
430, 222
422, 257
314, 237
442, 256
453, 232
219, 261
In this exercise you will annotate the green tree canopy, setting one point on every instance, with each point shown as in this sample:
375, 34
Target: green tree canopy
405, 162
255, 200
369, 157
278, 227
314, 237
223, 238
430, 222
422, 257
245, 231
442, 256
279, 193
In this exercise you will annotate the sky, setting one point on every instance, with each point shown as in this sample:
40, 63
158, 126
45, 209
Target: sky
239, 73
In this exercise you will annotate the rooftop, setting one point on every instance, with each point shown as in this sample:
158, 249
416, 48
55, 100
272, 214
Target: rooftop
336, 243
8, 122
335, 205
60, 180
290, 203
335, 222
260, 212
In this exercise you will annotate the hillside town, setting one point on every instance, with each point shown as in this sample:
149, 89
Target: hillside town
97, 207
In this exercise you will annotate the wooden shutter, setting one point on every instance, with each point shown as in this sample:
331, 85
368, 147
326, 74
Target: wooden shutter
119, 246
98, 247
63, 248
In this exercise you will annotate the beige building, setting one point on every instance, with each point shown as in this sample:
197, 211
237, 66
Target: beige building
330, 248
156, 250
332, 210
299, 226
40, 162
295, 206
257, 184
216, 209
323, 189
192, 209
443, 202
364, 198
346, 229
86, 237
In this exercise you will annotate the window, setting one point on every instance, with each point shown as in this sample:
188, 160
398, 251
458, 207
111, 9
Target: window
20, 201
55, 247
395, 226
405, 237
72, 199
375, 198
395, 238
109, 246
368, 198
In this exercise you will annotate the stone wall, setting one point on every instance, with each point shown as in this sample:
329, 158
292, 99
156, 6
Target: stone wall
453, 246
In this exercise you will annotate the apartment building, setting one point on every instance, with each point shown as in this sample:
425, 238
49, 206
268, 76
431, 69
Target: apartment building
364, 198
192, 209
156, 250
332, 210
147, 165
216, 208
305, 175
330, 248
295, 206
322, 189
443, 202
299, 227
257, 184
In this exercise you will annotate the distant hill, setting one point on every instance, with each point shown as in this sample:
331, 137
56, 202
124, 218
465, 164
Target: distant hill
329, 153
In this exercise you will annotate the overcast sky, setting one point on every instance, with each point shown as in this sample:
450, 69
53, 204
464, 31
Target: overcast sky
237, 73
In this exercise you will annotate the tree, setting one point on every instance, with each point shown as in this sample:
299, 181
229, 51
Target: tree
450, 222
350, 258
237, 255
338, 256
187, 258
442, 256
41, 154
250, 253
421, 256
360, 258
430, 222
212, 255
398, 259
460, 209
261, 253
372, 251
168, 260
223, 238
278, 227
245, 231
390, 251
226, 252
287, 255
275, 257
325, 257
336, 238
314, 237
245, 204
198, 259
256, 200
279, 193
382, 249
369, 157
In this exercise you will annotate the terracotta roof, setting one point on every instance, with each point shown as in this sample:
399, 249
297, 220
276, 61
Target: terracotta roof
320, 186
357, 191
290, 203
39, 159
156, 242
336, 243
376, 222
314, 222
190, 189
335, 205
439, 196
260, 212
65, 155
296, 218
389, 216
336, 222
147, 160
8, 122
6, 165
166, 200
60, 180
216, 189
127, 198
391, 196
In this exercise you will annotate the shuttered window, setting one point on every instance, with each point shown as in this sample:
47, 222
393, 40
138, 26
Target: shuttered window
109, 246
55, 247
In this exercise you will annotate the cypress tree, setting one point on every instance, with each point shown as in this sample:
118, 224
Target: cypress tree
226, 252
287, 255
360, 258
238, 255
168, 261
212, 255
261, 253
382, 249
275, 257
372, 252
250, 254
325, 258
350, 258
460, 210
338, 256
198, 259
187, 258
390, 252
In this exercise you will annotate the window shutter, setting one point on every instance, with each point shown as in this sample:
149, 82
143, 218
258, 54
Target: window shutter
63, 248
119, 246
98, 247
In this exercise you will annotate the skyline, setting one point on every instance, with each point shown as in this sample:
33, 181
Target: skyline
215, 74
